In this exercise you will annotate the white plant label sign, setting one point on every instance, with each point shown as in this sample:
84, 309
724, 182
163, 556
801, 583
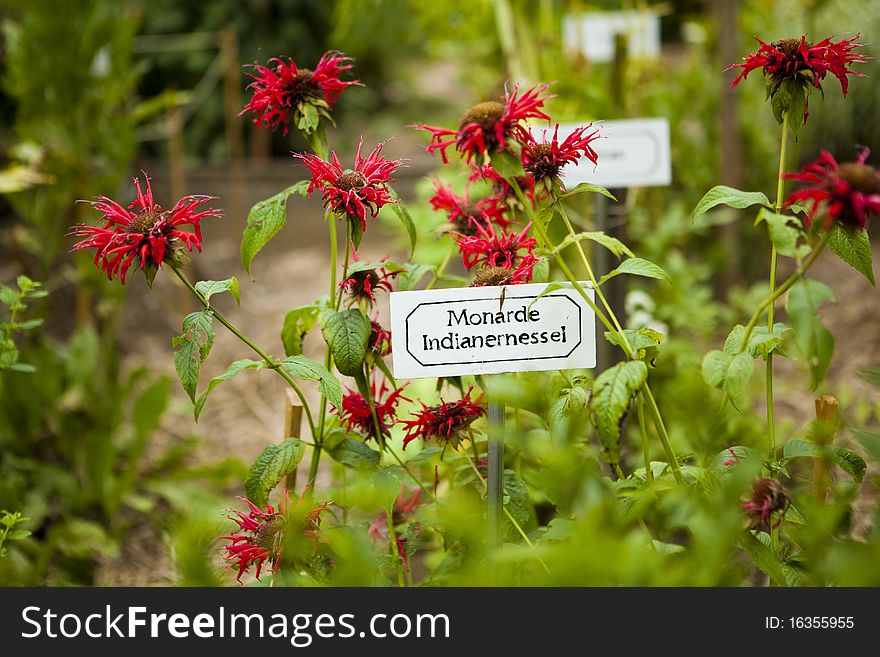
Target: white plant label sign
488, 330
632, 153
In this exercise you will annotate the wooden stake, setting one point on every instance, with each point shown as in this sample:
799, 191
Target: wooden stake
827, 408
293, 413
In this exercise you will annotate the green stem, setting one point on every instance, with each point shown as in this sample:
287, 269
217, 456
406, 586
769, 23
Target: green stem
640, 409
395, 550
441, 268
661, 431
377, 426
271, 362
403, 465
345, 261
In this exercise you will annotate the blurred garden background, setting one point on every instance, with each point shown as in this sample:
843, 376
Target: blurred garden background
98, 448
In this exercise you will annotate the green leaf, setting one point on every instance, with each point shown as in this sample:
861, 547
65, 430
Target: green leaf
274, 463
406, 219
192, 347
764, 558
150, 406
347, 333
727, 372
730, 196
761, 342
854, 248
18, 535
506, 164
613, 244
585, 187
612, 392
848, 461
308, 370
869, 440
815, 341
570, 403
637, 267
851, 463
517, 503
413, 274
264, 221
297, 324
232, 371
308, 118
783, 235
209, 288
644, 341
355, 454
727, 458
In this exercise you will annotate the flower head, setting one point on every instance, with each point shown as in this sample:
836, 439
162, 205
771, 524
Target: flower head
353, 193
768, 496
544, 160
486, 127
464, 215
404, 505
496, 249
379, 342
802, 64
520, 274
502, 190
356, 413
362, 284
284, 94
847, 193
447, 421
260, 536
143, 234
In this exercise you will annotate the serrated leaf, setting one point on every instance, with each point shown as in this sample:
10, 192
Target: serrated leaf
612, 392
761, 342
570, 403
588, 188
274, 463
297, 324
815, 341
637, 267
846, 459
727, 372
851, 463
232, 371
783, 235
406, 219
729, 196
309, 370
346, 332
764, 558
613, 244
728, 458
355, 454
192, 347
516, 500
209, 288
644, 341
854, 248
264, 221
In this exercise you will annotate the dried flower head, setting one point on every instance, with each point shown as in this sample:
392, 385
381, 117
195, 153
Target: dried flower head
447, 422
285, 95
143, 234
489, 126
361, 285
768, 496
379, 342
353, 193
848, 194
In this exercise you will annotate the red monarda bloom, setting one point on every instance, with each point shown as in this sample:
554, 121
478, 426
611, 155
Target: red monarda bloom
144, 234
495, 249
502, 189
362, 285
544, 160
847, 193
486, 127
464, 215
448, 421
404, 505
285, 94
260, 535
802, 63
379, 342
353, 193
356, 414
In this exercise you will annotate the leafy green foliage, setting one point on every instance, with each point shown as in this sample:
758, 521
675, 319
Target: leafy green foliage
297, 324
346, 332
613, 391
805, 299
727, 372
645, 342
308, 370
231, 372
406, 221
192, 347
209, 288
613, 244
783, 235
729, 196
265, 220
14, 300
348, 448
274, 463
637, 267
587, 188
762, 342
848, 461
8, 532
854, 248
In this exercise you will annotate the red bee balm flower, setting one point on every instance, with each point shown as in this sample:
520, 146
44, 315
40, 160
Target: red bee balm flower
465, 215
849, 193
768, 497
379, 342
356, 412
802, 64
260, 535
498, 250
449, 421
486, 127
362, 284
545, 159
353, 193
144, 234
285, 94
